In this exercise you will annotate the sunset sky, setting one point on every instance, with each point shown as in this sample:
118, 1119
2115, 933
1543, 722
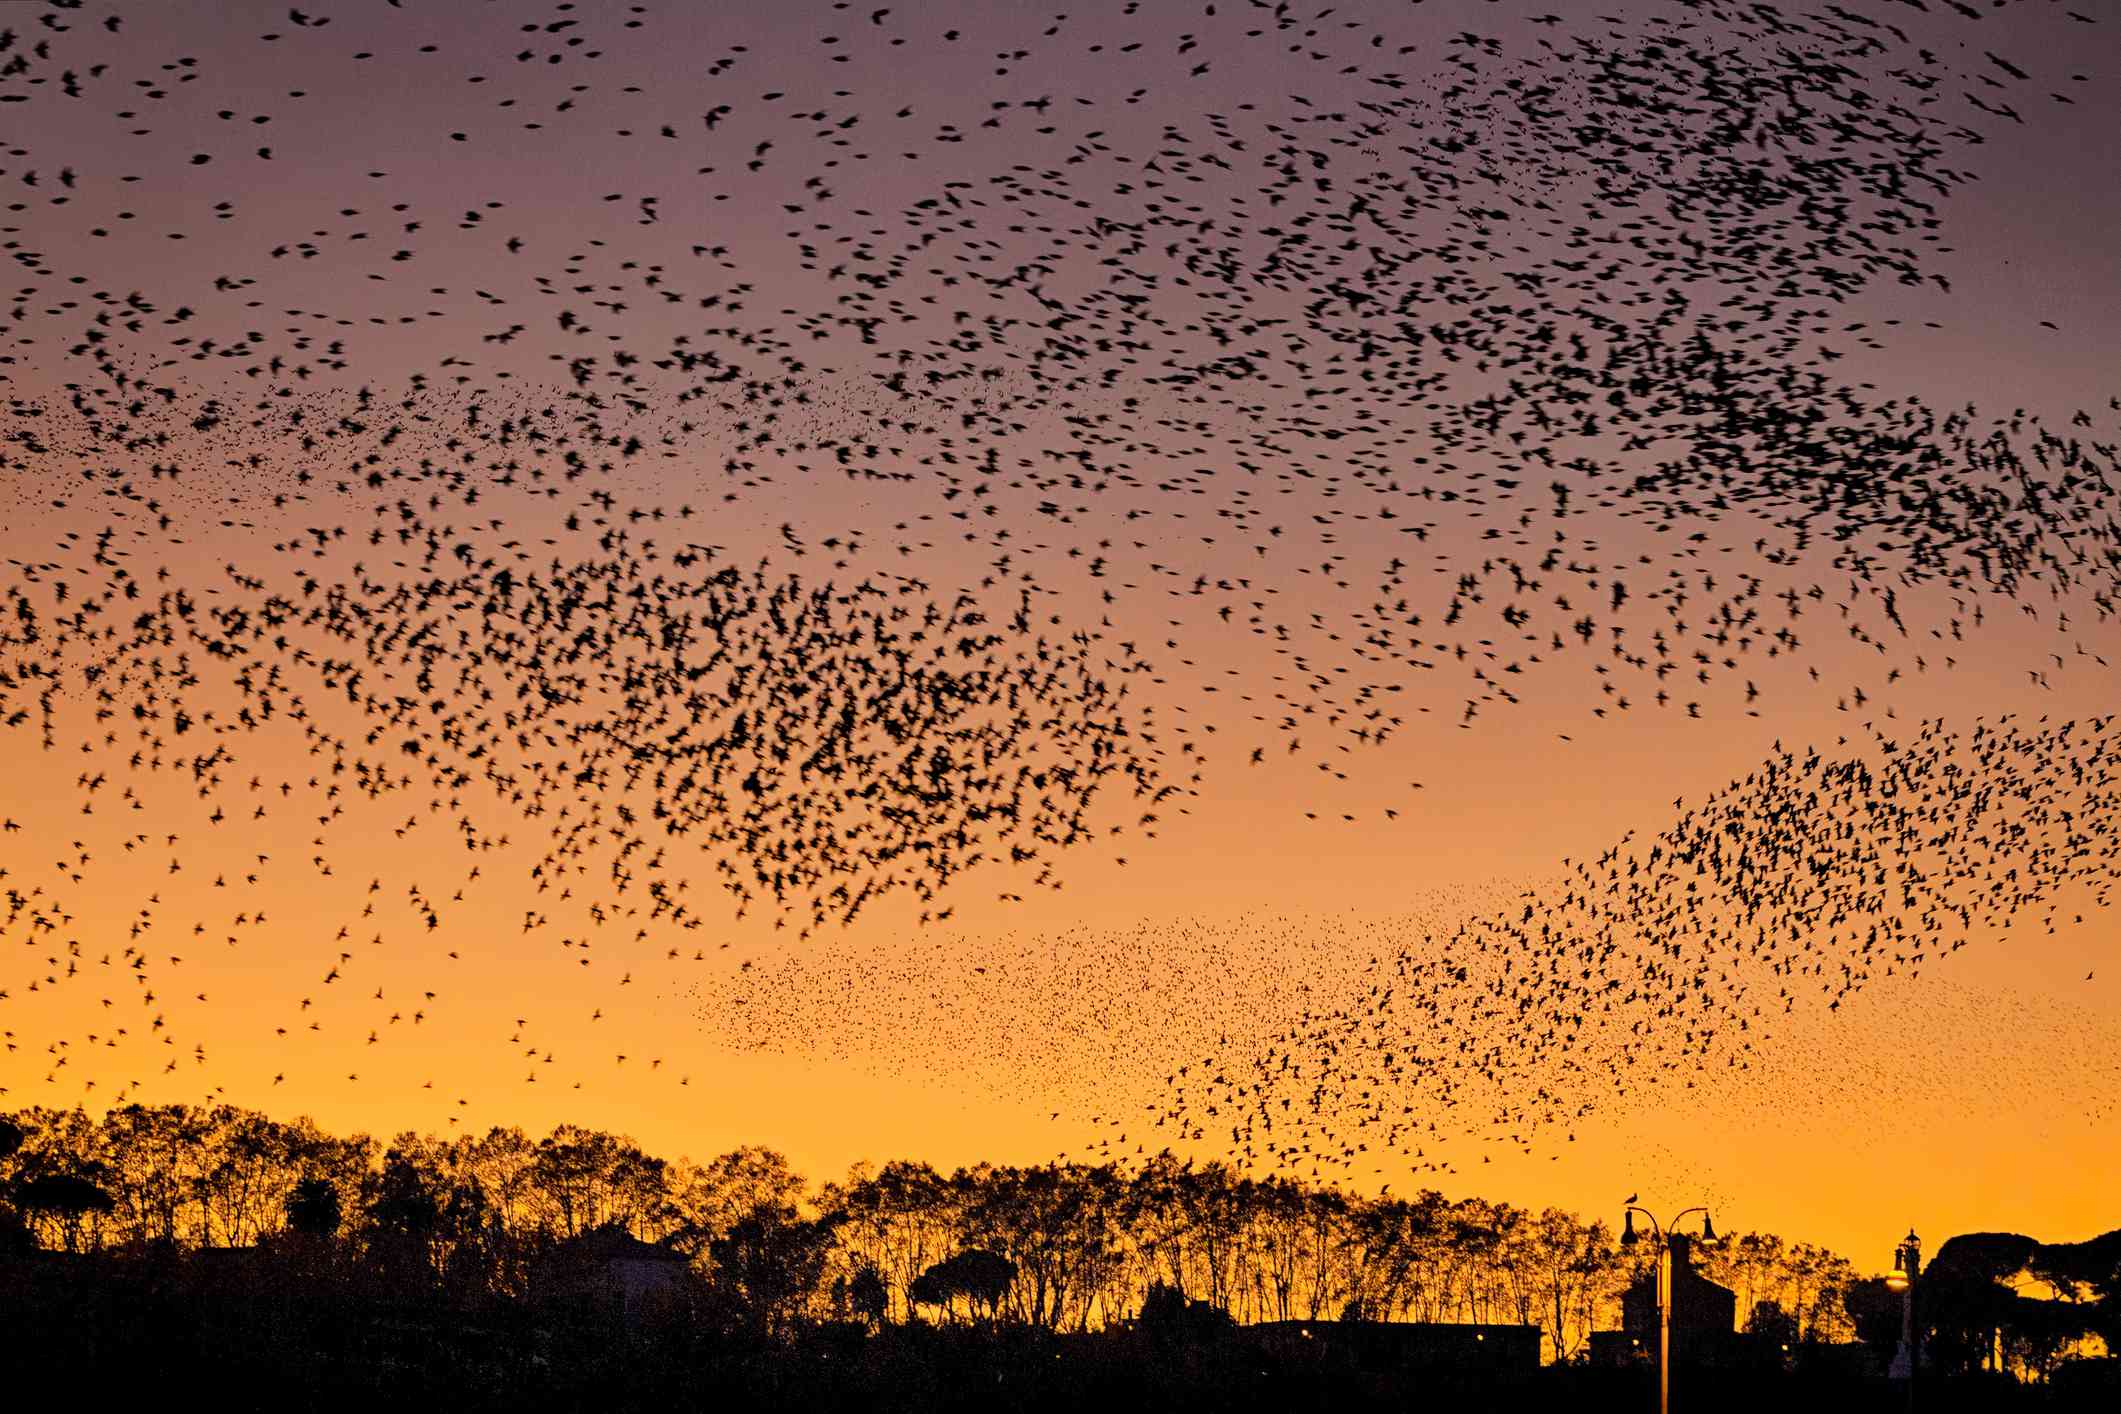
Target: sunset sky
1976, 1096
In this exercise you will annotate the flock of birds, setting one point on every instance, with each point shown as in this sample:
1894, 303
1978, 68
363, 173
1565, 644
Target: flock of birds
1801, 883
1352, 1046
931, 451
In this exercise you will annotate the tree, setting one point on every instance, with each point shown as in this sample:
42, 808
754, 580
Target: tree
314, 1209
158, 1157
68, 1200
1055, 1223
251, 1165
1573, 1264
772, 1262
404, 1213
706, 1199
1753, 1265
1168, 1318
1060, 1246
404, 1201
900, 1220
14, 1232
501, 1163
1963, 1301
1770, 1324
983, 1278
2035, 1332
867, 1295
1816, 1280
584, 1178
931, 1288
1874, 1311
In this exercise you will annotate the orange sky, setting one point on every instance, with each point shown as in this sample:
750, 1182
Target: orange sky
1977, 1097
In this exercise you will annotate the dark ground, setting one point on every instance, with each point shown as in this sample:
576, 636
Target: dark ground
145, 1339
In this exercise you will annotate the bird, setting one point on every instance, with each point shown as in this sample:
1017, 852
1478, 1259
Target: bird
1304, 421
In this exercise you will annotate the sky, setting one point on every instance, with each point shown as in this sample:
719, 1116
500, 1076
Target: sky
1056, 1000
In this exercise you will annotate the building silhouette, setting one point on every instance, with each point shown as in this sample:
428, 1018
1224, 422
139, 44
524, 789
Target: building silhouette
610, 1270
1704, 1317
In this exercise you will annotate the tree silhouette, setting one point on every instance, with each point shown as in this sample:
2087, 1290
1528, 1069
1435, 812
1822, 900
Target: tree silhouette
68, 1199
982, 1278
932, 1288
1169, 1318
1064, 1247
404, 1214
1771, 1324
1874, 1311
14, 1232
313, 1208
867, 1296
771, 1261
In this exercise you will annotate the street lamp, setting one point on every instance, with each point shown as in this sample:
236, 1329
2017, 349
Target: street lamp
1665, 1233
1907, 1265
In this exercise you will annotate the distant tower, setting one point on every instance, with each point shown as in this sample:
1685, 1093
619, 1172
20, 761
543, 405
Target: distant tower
1907, 1266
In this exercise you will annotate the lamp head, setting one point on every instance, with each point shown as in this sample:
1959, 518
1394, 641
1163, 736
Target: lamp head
1627, 1234
1708, 1229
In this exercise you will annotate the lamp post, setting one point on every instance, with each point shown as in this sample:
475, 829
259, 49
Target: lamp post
1665, 1234
1907, 1264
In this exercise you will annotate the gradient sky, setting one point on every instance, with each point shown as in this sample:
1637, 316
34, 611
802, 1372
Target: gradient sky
1976, 1097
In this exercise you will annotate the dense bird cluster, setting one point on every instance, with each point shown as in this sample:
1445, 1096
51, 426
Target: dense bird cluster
1801, 883
1031, 1017
833, 488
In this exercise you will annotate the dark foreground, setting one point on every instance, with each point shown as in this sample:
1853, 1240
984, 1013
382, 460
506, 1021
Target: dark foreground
225, 1346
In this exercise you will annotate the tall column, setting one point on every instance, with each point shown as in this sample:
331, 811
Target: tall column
1907, 1266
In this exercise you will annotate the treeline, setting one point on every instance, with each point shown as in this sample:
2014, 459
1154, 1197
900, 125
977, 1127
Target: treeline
1060, 1247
